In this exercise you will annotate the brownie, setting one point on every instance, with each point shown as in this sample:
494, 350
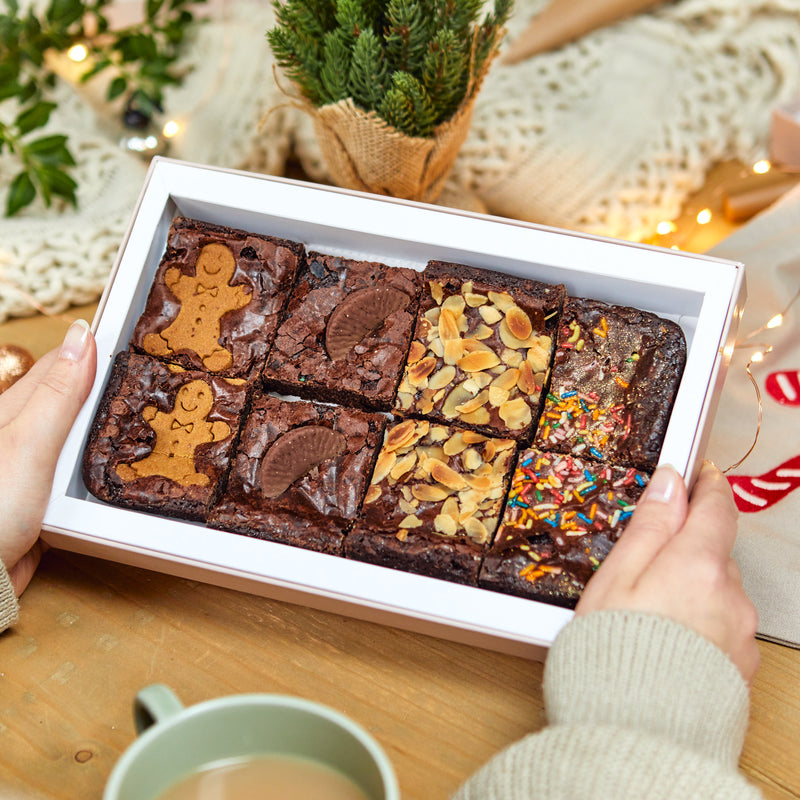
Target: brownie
299, 473
216, 298
162, 437
562, 516
616, 372
434, 500
346, 332
481, 352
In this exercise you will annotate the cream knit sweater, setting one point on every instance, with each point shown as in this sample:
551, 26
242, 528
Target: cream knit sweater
639, 707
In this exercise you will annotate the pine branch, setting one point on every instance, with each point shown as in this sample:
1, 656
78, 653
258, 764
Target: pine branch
445, 72
369, 73
407, 106
335, 69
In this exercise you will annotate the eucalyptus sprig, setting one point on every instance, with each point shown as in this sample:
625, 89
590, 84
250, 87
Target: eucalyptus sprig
413, 62
142, 57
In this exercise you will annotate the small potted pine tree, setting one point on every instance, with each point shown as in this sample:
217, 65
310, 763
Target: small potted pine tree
390, 85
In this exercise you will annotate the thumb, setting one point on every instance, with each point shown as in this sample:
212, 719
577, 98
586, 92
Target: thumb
659, 515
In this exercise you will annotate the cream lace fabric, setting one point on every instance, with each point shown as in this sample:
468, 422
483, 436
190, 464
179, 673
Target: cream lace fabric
607, 135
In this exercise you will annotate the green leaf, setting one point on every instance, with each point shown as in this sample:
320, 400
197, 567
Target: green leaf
59, 183
21, 193
153, 7
51, 150
33, 117
116, 87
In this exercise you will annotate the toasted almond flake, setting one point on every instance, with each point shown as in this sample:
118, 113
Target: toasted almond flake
482, 332
437, 348
503, 444
483, 469
478, 361
404, 401
489, 450
476, 530
450, 507
400, 435
417, 374
384, 463
438, 433
452, 351
448, 325
503, 300
455, 398
432, 315
474, 403
454, 303
425, 405
506, 379
473, 437
527, 382
519, 323
497, 396
373, 493
406, 492
509, 339
445, 525
512, 357
455, 444
445, 475
479, 417
490, 314
474, 300
416, 352
472, 344
437, 291
442, 377
405, 464
401, 535
471, 459
515, 413
426, 493
439, 396
410, 522
481, 483
408, 507
538, 355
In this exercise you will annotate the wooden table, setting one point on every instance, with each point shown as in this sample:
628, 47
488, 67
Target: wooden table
93, 632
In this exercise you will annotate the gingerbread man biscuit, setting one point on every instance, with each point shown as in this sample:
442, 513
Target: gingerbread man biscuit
178, 434
205, 298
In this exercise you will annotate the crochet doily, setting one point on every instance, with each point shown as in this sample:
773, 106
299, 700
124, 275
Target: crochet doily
608, 135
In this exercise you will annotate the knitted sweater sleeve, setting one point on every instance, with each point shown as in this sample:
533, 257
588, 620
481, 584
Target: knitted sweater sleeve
9, 608
638, 706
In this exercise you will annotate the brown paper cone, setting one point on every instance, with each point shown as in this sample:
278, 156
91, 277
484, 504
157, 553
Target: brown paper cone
564, 21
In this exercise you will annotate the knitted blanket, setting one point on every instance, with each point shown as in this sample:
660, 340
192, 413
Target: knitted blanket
607, 135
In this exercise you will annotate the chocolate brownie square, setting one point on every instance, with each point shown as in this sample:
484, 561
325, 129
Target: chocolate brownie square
434, 500
561, 519
299, 473
616, 372
162, 437
216, 298
346, 332
481, 351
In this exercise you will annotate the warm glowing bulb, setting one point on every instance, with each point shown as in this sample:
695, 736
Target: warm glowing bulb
77, 52
170, 129
704, 216
775, 321
762, 166
757, 356
664, 227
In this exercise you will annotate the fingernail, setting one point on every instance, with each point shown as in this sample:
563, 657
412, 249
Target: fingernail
663, 486
74, 345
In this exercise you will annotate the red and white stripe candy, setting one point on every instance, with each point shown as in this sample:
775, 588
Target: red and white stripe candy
759, 493
784, 387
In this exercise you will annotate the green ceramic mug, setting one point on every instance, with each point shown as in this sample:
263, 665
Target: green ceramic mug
176, 741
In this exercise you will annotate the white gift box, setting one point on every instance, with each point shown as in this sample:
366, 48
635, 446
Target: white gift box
704, 295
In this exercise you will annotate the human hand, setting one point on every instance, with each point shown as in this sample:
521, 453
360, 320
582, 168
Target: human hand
36, 414
674, 559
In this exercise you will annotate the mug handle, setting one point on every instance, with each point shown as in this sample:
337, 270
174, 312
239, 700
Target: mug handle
153, 704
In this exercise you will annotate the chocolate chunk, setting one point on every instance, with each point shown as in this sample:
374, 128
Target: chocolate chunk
295, 453
358, 314
14, 363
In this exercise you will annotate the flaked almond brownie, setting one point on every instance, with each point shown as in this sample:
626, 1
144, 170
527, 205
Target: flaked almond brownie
481, 351
434, 500
299, 473
346, 332
216, 298
616, 372
562, 516
162, 437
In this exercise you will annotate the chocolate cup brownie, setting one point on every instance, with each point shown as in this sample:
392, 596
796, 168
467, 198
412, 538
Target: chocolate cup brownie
299, 473
434, 500
481, 351
216, 298
616, 372
346, 332
162, 437
562, 516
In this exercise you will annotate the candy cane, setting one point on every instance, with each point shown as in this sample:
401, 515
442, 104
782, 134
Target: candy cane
784, 387
760, 492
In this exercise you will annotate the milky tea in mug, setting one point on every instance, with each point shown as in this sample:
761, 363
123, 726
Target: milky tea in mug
276, 777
